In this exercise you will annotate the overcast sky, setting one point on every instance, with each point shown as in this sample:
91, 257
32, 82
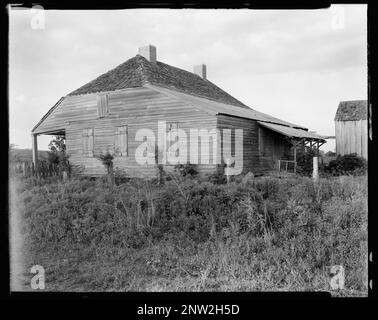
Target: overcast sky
294, 65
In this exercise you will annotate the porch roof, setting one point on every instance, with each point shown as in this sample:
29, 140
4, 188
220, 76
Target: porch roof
292, 132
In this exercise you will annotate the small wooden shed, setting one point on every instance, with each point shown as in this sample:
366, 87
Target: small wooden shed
351, 128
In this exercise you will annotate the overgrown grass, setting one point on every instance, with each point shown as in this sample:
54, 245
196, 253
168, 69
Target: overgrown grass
190, 235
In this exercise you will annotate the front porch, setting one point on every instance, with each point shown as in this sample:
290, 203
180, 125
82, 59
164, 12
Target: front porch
299, 140
34, 135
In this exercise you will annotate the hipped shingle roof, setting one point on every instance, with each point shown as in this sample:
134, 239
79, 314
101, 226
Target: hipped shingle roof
138, 71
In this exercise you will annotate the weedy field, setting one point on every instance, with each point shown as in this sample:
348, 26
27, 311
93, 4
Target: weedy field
255, 234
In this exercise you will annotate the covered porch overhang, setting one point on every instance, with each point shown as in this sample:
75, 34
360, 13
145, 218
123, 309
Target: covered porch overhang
36, 133
298, 138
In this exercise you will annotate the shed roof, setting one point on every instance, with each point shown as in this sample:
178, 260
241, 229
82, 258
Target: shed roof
291, 132
351, 110
138, 71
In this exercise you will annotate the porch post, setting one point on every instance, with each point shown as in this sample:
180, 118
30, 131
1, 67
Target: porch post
35, 149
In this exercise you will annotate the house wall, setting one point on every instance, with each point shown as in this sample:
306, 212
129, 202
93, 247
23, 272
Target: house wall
137, 108
142, 108
250, 140
72, 108
351, 137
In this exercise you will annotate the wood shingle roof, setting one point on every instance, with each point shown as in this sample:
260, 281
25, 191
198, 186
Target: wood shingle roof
138, 71
352, 110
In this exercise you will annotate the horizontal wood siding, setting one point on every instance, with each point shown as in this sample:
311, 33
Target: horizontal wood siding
72, 108
351, 137
135, 108
250, 140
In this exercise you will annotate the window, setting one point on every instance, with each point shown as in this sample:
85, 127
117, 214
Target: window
102, 105
88, 148
121, 141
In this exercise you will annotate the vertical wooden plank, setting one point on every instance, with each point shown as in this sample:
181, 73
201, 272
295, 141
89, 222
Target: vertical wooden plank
351, 133
364, 139
358, 140
342, 137
347, 137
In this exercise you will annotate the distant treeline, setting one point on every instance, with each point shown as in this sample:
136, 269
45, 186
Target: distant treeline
21, 155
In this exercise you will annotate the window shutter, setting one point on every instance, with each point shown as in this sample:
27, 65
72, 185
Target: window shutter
102, 105
121, 141
85, 142
117, 150
88, 143
124, 140
172, 131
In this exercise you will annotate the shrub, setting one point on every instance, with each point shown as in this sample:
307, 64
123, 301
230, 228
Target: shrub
186, 169
305, 161
347, 164
330, 154
218, 177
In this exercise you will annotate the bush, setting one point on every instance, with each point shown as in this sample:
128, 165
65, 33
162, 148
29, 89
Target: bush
218, 177
186, 169
347, 164
305, 161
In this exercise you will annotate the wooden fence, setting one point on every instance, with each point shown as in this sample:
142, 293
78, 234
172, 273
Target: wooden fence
287, 165
43, 169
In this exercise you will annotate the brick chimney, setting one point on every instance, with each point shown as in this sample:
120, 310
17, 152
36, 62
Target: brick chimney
149, 52
200, 70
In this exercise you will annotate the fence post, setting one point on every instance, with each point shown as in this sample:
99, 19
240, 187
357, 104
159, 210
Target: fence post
64, 175
24, 168
315, 169
227, 170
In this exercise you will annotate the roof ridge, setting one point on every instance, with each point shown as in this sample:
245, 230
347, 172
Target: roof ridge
137, 71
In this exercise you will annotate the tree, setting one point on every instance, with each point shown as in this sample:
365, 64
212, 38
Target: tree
58, 144
57, 153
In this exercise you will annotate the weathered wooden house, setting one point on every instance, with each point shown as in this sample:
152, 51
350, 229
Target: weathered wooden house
110, 113
351, 128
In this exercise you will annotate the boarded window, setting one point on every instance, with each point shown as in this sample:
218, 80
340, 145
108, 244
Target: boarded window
102, 105
172, 130
121, 141
88, 145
